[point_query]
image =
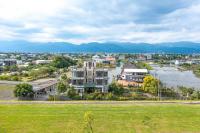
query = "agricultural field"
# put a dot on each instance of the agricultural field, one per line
(6, 92)
(107, 118)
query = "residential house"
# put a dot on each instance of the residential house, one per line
(132, 76)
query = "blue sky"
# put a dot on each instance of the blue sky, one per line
(82, 21)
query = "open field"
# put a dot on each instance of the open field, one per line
(6, 92)
(108, 118)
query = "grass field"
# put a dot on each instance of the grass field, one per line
(108, 118)
(6, 92)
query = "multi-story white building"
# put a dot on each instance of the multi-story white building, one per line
(132, 76)
(89, 78)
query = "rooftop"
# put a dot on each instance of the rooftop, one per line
(136, 70)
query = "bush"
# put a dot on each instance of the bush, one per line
(24, 91)
(100, 96)
(195, 95)
(71, 93)
(9, 78)
(15, 78)
(110, 96)
(116, 89)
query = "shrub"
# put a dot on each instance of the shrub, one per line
(116, 89)
(88, 122)
(71, 93)
(24, 90)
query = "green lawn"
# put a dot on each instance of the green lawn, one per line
(6, 92)
(115, 118)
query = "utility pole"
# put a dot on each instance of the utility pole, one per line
(158, 86)
(158, 89)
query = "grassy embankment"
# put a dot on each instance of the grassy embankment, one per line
(108, 118)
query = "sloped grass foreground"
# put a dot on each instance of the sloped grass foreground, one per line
(108, 118)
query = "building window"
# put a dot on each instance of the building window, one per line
(99, 82)
(99, 74)
(105, 74)
(106, 82)
(79, 74)
(73, 82)
(80, 82)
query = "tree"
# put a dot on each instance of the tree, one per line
(150, 85)
(62, 62)
(195, 95)
(186, 91)
(41, 72)
(13, 68)
(65, 78)
(62, 87)
(24, 90)
(116, 89)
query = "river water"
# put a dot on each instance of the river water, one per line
(172, 77)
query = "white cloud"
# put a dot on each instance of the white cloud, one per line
(80, 21)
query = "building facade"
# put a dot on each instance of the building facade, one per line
(89, 78)
(132, 76)
(8, 62)
(44, 88)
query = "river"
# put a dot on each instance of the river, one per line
(172, 77)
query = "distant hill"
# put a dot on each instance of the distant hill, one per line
(109, 47)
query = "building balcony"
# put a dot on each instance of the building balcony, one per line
(90, 85)
(78, 86)
(78, 78)
(101, 77)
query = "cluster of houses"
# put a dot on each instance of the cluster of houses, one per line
(190, 61)
(94, 75)
(9, 59)
(89, 78)
(109, 60)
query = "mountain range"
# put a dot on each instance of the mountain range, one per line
(93, 47)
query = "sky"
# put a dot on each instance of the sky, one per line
(83, 21)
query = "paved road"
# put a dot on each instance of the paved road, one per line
(101, 102)
(10, 82)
